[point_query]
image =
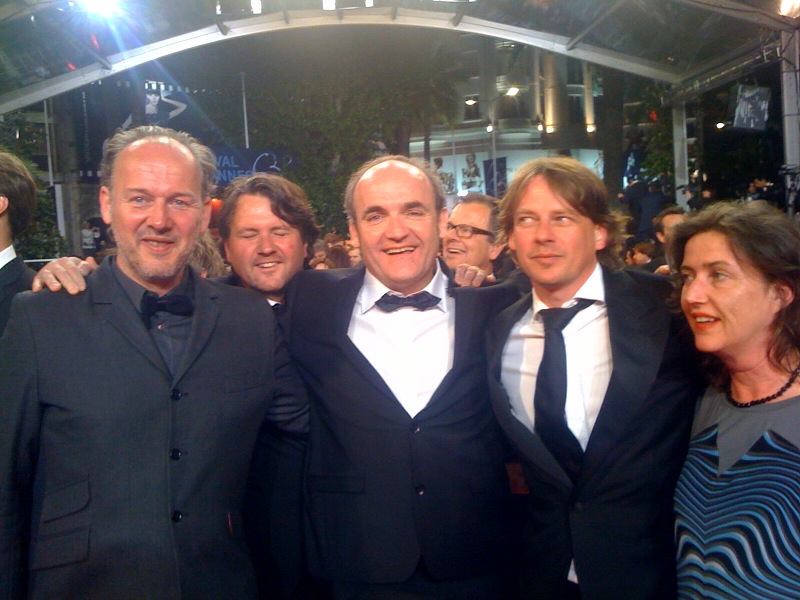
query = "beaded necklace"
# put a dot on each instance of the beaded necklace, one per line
(766, 399)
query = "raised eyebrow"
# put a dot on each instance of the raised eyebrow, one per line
(183, 196)
(414, 204)
(136, 192)
(375, 208)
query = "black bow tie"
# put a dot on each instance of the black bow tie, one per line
(177, 304)
(421, 301)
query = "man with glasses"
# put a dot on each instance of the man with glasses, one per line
(470, 238)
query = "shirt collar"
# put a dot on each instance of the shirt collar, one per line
(7, 255)
(373, 290)
(592, 289)
(134, 291)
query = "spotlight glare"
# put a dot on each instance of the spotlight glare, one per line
(591, 128)
(790, 8)
(512, 91)
(489, 128)
(720, 125)
(103, 8)
(550, 128)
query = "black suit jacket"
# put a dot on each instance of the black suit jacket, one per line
(15, 277)
(118, 479)
(384, 489)
(617, 521)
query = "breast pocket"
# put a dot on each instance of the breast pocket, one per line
(64, 526)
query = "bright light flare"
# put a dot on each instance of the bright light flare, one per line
(790, 8)
(590, 128)
(103, 8)
(512, 91)
(489, 128)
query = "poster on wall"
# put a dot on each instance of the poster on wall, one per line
(103, 107)
(471, 180)
(500, 180)
(447, 177)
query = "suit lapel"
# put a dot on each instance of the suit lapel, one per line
(639, 328)
(110, 300)
(345, 292)
(465, 320)
(529, 444)
(204, 321)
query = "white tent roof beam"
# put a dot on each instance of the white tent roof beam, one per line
(317, 18)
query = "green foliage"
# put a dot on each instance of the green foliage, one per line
(659, 160)
(327, 122)
(42, 239)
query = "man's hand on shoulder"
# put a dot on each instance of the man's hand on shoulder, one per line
(68, 273)
(471, 276)
(663, 270)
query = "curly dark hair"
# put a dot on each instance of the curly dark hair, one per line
(766, 239)
(287, 200)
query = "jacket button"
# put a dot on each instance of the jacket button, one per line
(420, 490)
(416, 429)
(177, 516)
(175, 395)
(175, 454)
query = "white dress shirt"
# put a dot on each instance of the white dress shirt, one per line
(7, 255)
(587, 343)
(411, 350)
(589, 363)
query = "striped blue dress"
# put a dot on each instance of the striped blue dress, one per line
(737, 503)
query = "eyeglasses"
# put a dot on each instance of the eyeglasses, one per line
(467, 231)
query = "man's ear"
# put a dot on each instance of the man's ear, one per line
(600, 237)
(442, 223)
(495, 251)
(105, 205)
(206, 215)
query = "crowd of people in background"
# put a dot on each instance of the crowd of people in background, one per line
(501, 402)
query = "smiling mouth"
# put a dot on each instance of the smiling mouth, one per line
(704, 321)
(455, 251)
(395, 251)
(267, 265)
(158, 244)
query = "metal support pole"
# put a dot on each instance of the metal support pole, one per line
(244, 113)
(679, 150)
(791, 105)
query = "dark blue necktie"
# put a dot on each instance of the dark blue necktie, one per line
(176, 304)
(421, 301)
(550, 397)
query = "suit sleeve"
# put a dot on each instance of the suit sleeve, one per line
(289, 407)
(20, 417)
(273, 505)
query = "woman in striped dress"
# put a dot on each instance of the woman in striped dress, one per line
(737, 501)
